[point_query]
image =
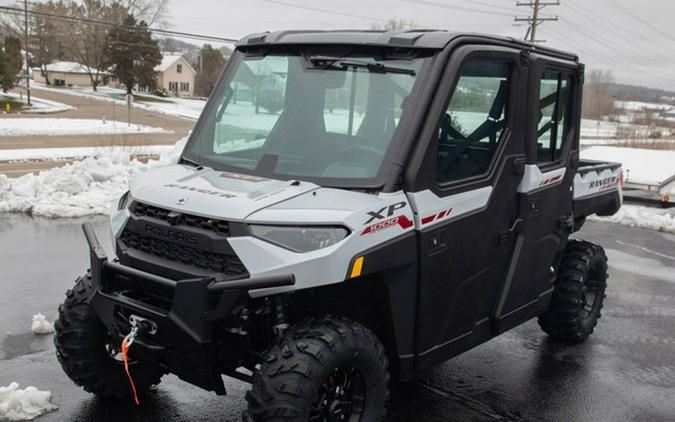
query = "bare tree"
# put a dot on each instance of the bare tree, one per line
(89, 39)
(152, 12)
(47, 36)
(598, 94)
(395, 23)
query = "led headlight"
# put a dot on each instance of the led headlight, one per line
(300, 239)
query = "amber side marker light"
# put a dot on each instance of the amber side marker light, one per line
(357, 267)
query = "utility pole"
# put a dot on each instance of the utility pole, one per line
(25, 34)
(535, 19)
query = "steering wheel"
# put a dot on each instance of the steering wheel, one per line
(362, 154)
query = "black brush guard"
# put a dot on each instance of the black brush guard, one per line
(183, 343)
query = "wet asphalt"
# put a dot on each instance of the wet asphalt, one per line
(625, 372)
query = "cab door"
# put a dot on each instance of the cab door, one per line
(465, 199)
(545, 191)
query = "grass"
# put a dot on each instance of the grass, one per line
(14, 105)
(149, 99)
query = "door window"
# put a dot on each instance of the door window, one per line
(555, 100)
(474, 121)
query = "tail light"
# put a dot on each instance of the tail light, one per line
(622, 178)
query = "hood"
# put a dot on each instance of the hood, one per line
(210, 193)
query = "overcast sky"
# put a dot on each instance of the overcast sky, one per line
(633, 38)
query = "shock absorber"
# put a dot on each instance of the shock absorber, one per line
(279, 316)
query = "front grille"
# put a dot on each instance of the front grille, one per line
(177, 219)
(230, 265)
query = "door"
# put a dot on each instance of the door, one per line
(545, 192)
(467, 212)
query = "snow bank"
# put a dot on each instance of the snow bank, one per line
(40, 325)
(82, 188)
(644, 217)
(64, 126)
(24, 405)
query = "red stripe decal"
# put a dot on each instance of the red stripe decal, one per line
(428, 219)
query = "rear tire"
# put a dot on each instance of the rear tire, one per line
(81, 340)
(328, 369)
(578, 294)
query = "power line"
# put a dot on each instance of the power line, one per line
(637, 17)
(14, 10)
(454, 7)
(535, 19)
(317, 9)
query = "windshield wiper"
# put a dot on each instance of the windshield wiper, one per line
(339, 63)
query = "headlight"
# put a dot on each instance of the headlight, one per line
(124, 201)
(300, 239)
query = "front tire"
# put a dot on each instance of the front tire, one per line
(328, 369)
(84, 349)
(578, 294)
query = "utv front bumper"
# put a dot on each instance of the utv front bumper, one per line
(184, 313)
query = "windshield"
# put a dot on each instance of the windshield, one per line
(325, 118)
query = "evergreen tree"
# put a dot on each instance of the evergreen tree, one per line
(211, 63)
(132, 54)
(10, 63)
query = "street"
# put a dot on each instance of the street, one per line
(88, 108)
(625, 372)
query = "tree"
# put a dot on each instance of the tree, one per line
(88, 41)
(132, 54)
(211, 63)
(47, 36)
(10, 63)
(598, 94)
(395, 24)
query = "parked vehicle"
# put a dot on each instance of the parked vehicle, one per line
(317, 252)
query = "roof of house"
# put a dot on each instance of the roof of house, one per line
(71, 67)
(168, 60)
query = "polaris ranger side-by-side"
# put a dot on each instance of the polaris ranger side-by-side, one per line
(350, 206)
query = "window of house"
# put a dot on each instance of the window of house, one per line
(474, 121)
(555, 101)
(185, 86)
(179, 68)
(173, 86)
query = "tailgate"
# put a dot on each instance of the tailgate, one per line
(597, 188)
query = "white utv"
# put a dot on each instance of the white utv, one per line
(350, 206)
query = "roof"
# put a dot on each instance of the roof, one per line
(71, 67)
(416, 38)
(168, 60)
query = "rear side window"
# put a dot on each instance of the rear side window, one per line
(555, 101)
(474, 121)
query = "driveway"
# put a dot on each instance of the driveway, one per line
(625, 372)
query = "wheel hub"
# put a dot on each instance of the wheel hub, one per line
(340, 398)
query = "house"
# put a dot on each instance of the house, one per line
(68, 74)
(175, 75)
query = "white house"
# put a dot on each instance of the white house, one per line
(68, 74)
(175, 75)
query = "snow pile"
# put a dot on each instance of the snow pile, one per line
(26, 404)
(64, 126)
(40, 325)
(82, 188)
(644, 217)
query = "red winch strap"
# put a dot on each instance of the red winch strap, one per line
(125, 348)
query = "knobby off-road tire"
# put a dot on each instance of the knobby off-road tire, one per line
(578, 294)
(322, 369)
(81, 340)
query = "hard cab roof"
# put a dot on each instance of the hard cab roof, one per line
(416, 38)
